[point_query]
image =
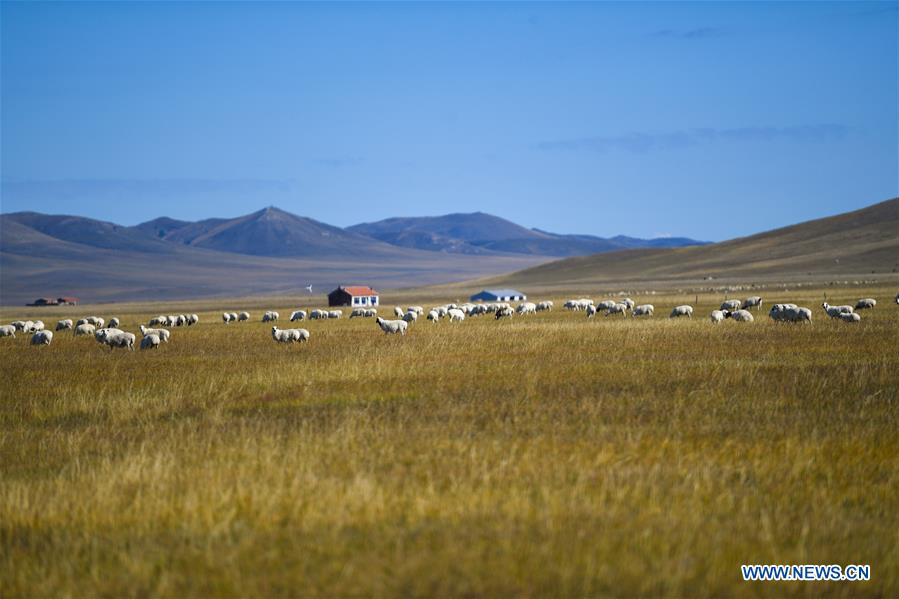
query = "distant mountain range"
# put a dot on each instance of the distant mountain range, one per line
(479, 233)
(268, 251)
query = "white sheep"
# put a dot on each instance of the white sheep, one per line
(417, 309)
(270, 316)
(335, 313)
(63, 325)
(504, 312)
(8, 330)
(591, 311)
(867, 303)
(398, 312)
(456, 315)
(618, 309)
(162, 320)
(545, 306)
(527, 308)
(318, 315)
(84, 329)
(150, 341)
(605, 305)
(434, 316)
(37, 325)
(163, 334)
(242, 317)
(113, 338)
(370, 313)
(731, 305)
(18, 325)
(835, 311)
(226, 318)
(290, 335)
(42, 338)
(28, 326)
(850, 317)
(752, 302)
(193, 319)
(643, 310)
(629, 303)
(392, 327)
(114, 322)
(739, 315)
(679, 311)
(357, 312)
(717, 316)
(410, 316)
(298, 315)
(789, 313)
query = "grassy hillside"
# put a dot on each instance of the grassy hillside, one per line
(865, 241)
(547, 455)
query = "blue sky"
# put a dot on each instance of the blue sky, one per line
(710, 120)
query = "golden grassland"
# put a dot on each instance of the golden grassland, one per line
(546, 455)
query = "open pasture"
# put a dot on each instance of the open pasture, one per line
(542, 455)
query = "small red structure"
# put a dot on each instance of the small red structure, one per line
(69, 301)
(353, 295)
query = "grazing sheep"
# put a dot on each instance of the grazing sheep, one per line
(591, 311)
(8, 330)
(37, 325)
(226, 318)
(629, 303)
(456, 315)
(42, 338)
(731, 305)
(605, 305)
(63, 325)
(298, 315)
(113, 338)
(417, 309)
(290, 335)
(866, 304)
(643, 310)
(270, 316)
(398, 312)
(410, 316)
(360, 312)
(318, 315)
(114, 322)
(739, 315)
(28, 327)
(18, 325)
(504, 312)
(150, 341)
(618, 309)
(850, 317)
(544, 306)
(192, 319)
(84, 329)
(242, 317)
(682, 311)
(717, 316)
(789, 313)
(434, 316)
(161, 320)
(335, 313)
(392, 327)
(526, 308)
(835, 311)
(752, 302)
(163, 334)
(370, 313)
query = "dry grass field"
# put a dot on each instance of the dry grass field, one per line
(546, 455)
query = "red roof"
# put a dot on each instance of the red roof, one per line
(359, 290)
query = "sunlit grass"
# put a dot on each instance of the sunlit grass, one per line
(545, 455)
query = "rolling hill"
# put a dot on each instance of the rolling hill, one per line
(480, 233)
(859, 242)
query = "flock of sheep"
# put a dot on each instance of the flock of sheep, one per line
(153, 334)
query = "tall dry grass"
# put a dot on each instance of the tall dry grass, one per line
(545, 455)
